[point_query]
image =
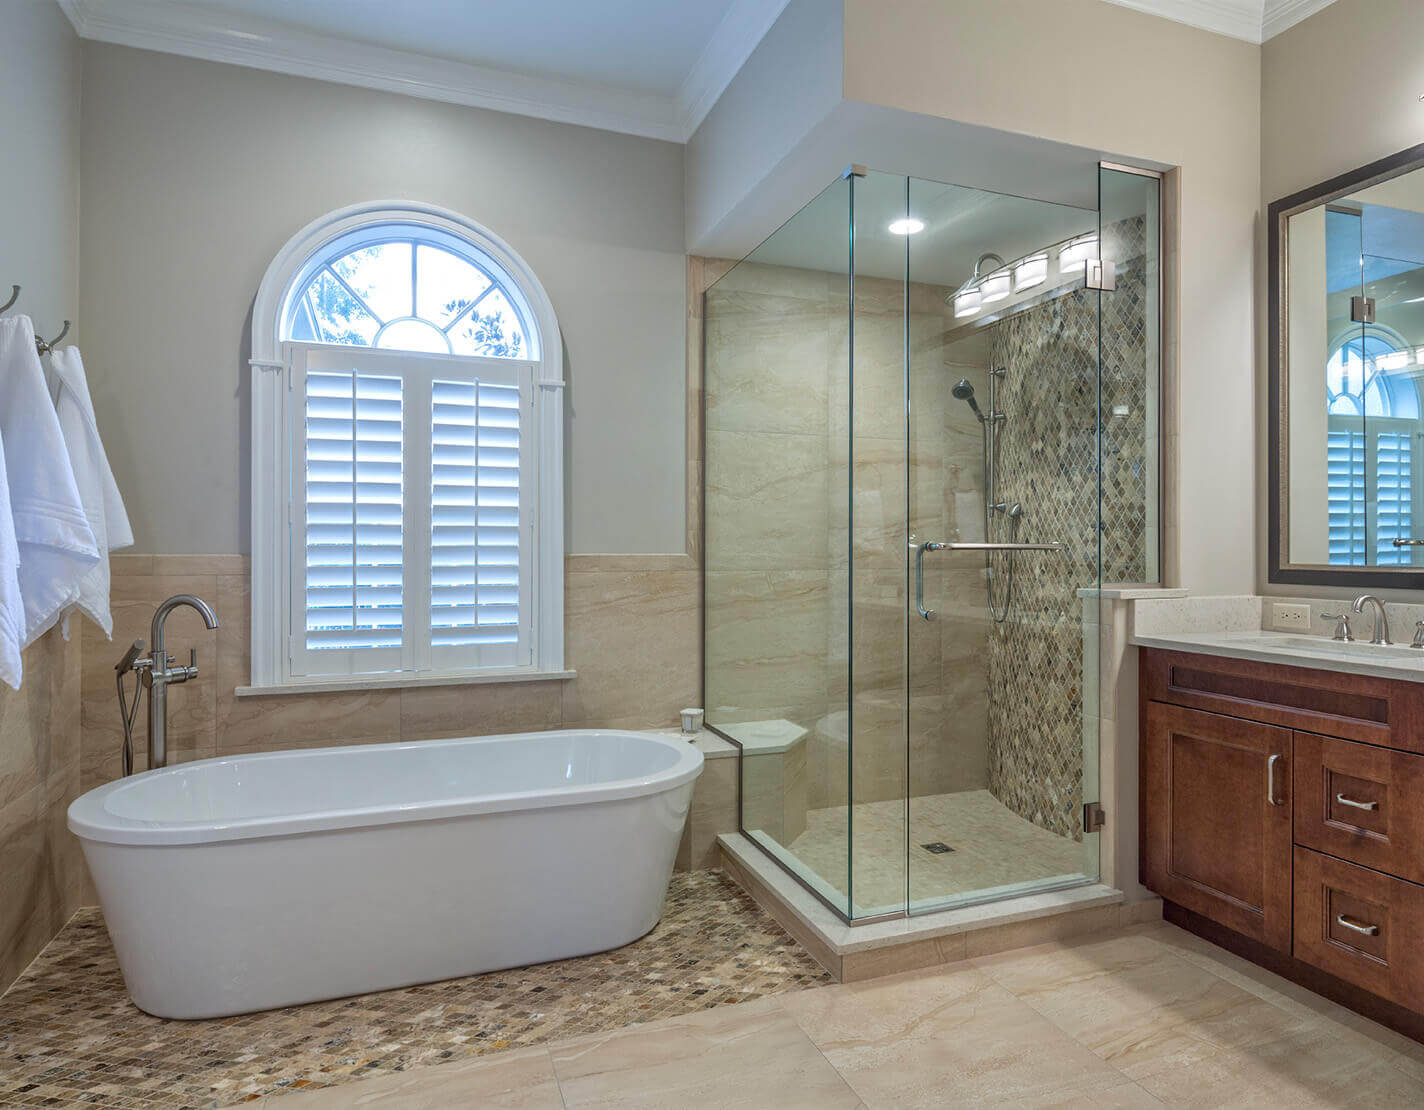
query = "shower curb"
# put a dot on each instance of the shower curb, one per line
(855, 952)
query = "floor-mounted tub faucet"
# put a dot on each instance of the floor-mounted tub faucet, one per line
(157, 673)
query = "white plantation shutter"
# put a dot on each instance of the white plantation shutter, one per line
(479, 555)
(412, 511)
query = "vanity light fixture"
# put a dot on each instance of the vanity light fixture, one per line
(1072, 254)
(967, 303)
(1030, 271)
(907, 226)
(995, 287)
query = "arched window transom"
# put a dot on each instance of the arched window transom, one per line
(404, 287)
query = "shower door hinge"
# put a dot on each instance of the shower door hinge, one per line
(1094, 817)
(1100, 273)
(1362, 310)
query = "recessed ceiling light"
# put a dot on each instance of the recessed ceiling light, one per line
(908, 226)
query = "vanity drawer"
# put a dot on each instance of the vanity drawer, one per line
(1373, 710)
(1360, 925)
(1361, 803)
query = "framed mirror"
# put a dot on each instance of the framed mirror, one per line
(1347, 378)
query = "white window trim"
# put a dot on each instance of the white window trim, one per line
(271, 412)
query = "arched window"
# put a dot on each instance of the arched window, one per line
(1372, 398)
(407, 460)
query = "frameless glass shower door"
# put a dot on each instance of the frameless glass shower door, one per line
(930, 433)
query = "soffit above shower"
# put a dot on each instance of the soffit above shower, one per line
(643, 67)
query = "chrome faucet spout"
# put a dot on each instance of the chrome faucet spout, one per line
(158, 675)
(1381, 629)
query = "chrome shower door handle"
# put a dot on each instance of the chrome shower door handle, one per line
(1271, 763)
(1002, 546)
(920, 549)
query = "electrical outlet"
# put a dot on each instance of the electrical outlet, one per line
(1290, 618)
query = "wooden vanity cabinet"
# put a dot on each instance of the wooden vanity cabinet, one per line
(1217, 820)
(1282, 814)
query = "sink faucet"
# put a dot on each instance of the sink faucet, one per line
(1381, 626)
(158, 675)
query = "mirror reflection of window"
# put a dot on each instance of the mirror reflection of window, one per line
(1372, 398)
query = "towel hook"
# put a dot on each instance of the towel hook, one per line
(14, 296)
(46, 347)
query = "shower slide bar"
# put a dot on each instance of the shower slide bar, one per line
(935, 545)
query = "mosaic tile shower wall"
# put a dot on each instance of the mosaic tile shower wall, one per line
(1050, 465)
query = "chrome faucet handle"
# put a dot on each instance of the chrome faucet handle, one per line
(1342, 628)
(1418, 641)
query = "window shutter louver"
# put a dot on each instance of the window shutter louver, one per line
(1394, 497)
(353, 527)
(1345, 491)
(475, 556)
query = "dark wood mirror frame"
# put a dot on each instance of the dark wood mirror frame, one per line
(1278, 355)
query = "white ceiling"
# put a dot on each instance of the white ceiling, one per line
(646, 45)
(644, 67)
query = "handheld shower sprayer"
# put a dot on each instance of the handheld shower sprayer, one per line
(964, 391)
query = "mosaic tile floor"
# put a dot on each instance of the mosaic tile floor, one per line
(992, 847)
(70, 1037)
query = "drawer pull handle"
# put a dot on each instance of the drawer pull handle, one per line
(1271, 779)
(1357, 926)
(1353, 804)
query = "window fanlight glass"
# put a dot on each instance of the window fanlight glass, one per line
(967, 303)
(1030, 271)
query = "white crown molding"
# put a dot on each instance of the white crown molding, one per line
(259, 44)
(742, 28)
(1281, 15)
(1241, 19)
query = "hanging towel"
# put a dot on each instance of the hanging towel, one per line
(12, 609)
(98, 492)
(55, 542)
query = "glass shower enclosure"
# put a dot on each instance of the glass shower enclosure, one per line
(931, 433)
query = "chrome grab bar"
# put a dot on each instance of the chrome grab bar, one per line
(1408, 543)
(935, 545)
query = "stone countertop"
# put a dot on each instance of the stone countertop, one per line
(1395, 661)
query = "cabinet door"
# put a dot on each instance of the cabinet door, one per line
(1216, 818)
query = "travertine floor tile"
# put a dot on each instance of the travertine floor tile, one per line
(747, 1056)
(519, 1080)
(946, 1038)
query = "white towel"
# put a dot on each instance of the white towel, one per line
(52, 534)
(969, 515)
(12, 608)
(98, 492)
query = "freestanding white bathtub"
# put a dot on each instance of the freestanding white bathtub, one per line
(257, 881)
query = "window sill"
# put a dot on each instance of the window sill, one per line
(393, 682)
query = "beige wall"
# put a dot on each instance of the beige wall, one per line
(1104, 77)
(1338, 90)
(41, 871)
(39, 185)
(197, 173)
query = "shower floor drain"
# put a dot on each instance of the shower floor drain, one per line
(937, 847)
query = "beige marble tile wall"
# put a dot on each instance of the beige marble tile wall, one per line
(631, 632)
(41, 869)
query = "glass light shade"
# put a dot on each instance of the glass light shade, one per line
(1030, 271)
(967, 303)
(1072, 254)
(908, 226)
(995, 287)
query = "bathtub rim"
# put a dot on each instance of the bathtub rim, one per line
(89, 818)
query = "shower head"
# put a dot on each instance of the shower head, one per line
(964, 391)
